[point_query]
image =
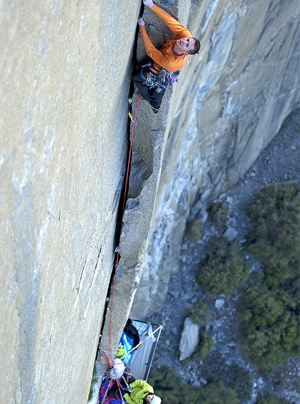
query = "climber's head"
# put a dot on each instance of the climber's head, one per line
(151, 398)
(197, 46)
(187, 46)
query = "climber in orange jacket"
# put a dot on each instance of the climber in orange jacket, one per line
(152, 80)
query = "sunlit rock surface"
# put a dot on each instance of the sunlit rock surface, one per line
(63, 102)
(228, 105)
(65, 77)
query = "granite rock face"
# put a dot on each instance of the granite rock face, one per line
(65, 80)
(229, 103)
(63, 149)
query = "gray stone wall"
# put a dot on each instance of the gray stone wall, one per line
(65, 75)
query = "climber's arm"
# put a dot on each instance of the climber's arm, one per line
(156, 55)
(179, 30)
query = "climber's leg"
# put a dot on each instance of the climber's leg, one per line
(139, 80)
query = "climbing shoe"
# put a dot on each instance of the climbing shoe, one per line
(155, 110)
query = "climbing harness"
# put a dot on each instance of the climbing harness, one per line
(160, 81)
(116, 383)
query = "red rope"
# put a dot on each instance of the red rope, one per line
(107, 360)
(122, 214)
(129, 156)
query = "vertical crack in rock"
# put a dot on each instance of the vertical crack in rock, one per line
(147, 152)
(81, 275)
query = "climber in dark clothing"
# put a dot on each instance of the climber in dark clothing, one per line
(153, 80)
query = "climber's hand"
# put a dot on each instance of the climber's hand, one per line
(141, 21)
(148, 3)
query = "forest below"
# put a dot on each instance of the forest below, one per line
(254, 270)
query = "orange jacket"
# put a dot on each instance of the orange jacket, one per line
(166, 57)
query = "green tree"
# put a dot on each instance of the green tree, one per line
(205, 345)
(200, 313)
(170, 387)
(218, 212)
(223, 268)
(272, 400)
(193, 230)
(232, 376)
(173, 391)
(218, 393)
(274, 235)
(269, 326)
(269, 309)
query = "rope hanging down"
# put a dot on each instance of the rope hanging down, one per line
(108, 357)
